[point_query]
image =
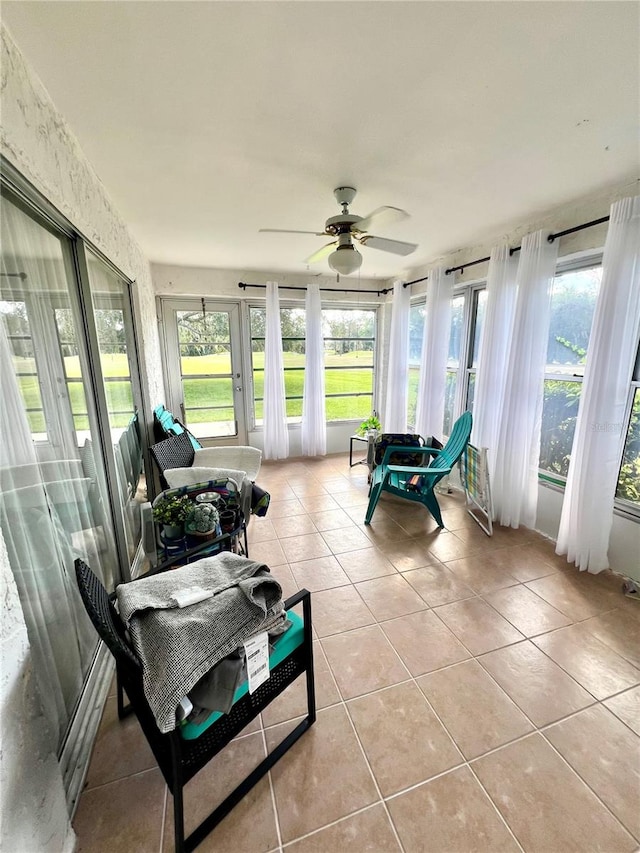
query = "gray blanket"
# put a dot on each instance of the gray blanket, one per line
(177, 646)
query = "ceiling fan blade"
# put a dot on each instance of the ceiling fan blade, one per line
(321, 253)
(380, 216)
(286, 231)
(398, 247)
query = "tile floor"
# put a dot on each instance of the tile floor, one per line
(475, 694)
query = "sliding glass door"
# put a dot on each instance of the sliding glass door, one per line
(113, 320)
(54, 502)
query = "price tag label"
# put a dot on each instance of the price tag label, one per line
(257, 652)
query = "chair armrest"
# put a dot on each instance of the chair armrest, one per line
(296, 598)
(403, 469)
(304, 596)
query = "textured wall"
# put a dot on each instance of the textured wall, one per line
(33, 811)
(36, 140)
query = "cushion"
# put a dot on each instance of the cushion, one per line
(177, 477)
(403, 440)
(170, 426)
(232, 456)
(282, 648)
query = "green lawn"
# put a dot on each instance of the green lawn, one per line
(119, 393)
(208, 399)
(218, 392)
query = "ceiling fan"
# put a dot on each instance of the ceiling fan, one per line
(344, 258)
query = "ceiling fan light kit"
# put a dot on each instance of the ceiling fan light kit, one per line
(342, 255)
(345, 260)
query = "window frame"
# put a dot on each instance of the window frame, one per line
(325, 306)
(374, 340)
(575, 264)
(558, 482)
(624, 507)
(415, 302)
(469, 291)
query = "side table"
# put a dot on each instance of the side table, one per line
(353, 438)
(369, 441)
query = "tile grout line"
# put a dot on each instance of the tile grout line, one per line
(473, 657)
(164, 819)
(496, 809)
(364, 755)
(343, 702)
(274, 805)
(120, 779)
(560, 666)
(587, 785)
(334, 823)
(465, 761)
(536, 729)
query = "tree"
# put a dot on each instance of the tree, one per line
(203, 333)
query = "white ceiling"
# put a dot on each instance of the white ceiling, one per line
(209, 120)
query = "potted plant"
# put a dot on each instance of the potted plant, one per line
(370, 425)
(171, 512)
(203, 521)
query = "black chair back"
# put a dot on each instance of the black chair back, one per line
(103, 616)
(174, 452)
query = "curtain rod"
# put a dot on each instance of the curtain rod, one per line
(21, 275)
(550, 238)
(382, 291)
(415, 281)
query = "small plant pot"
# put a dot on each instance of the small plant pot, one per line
(172, 531)
(228, 520)
(205, 536)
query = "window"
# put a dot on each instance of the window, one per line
(478, 311)
(573, 300)
(467, 318)
(349, 346)
(416, 332)
(71, 367)
(628, 489)
(456, 347)
(20, 339)
(292, 326)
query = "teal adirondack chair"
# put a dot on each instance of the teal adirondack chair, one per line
(417, 483)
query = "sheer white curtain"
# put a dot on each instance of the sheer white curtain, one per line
(515, 483)
(276, 434)
(587, 509)
(314, 423)
(395, 412)
(435, 347)
(491, 374)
